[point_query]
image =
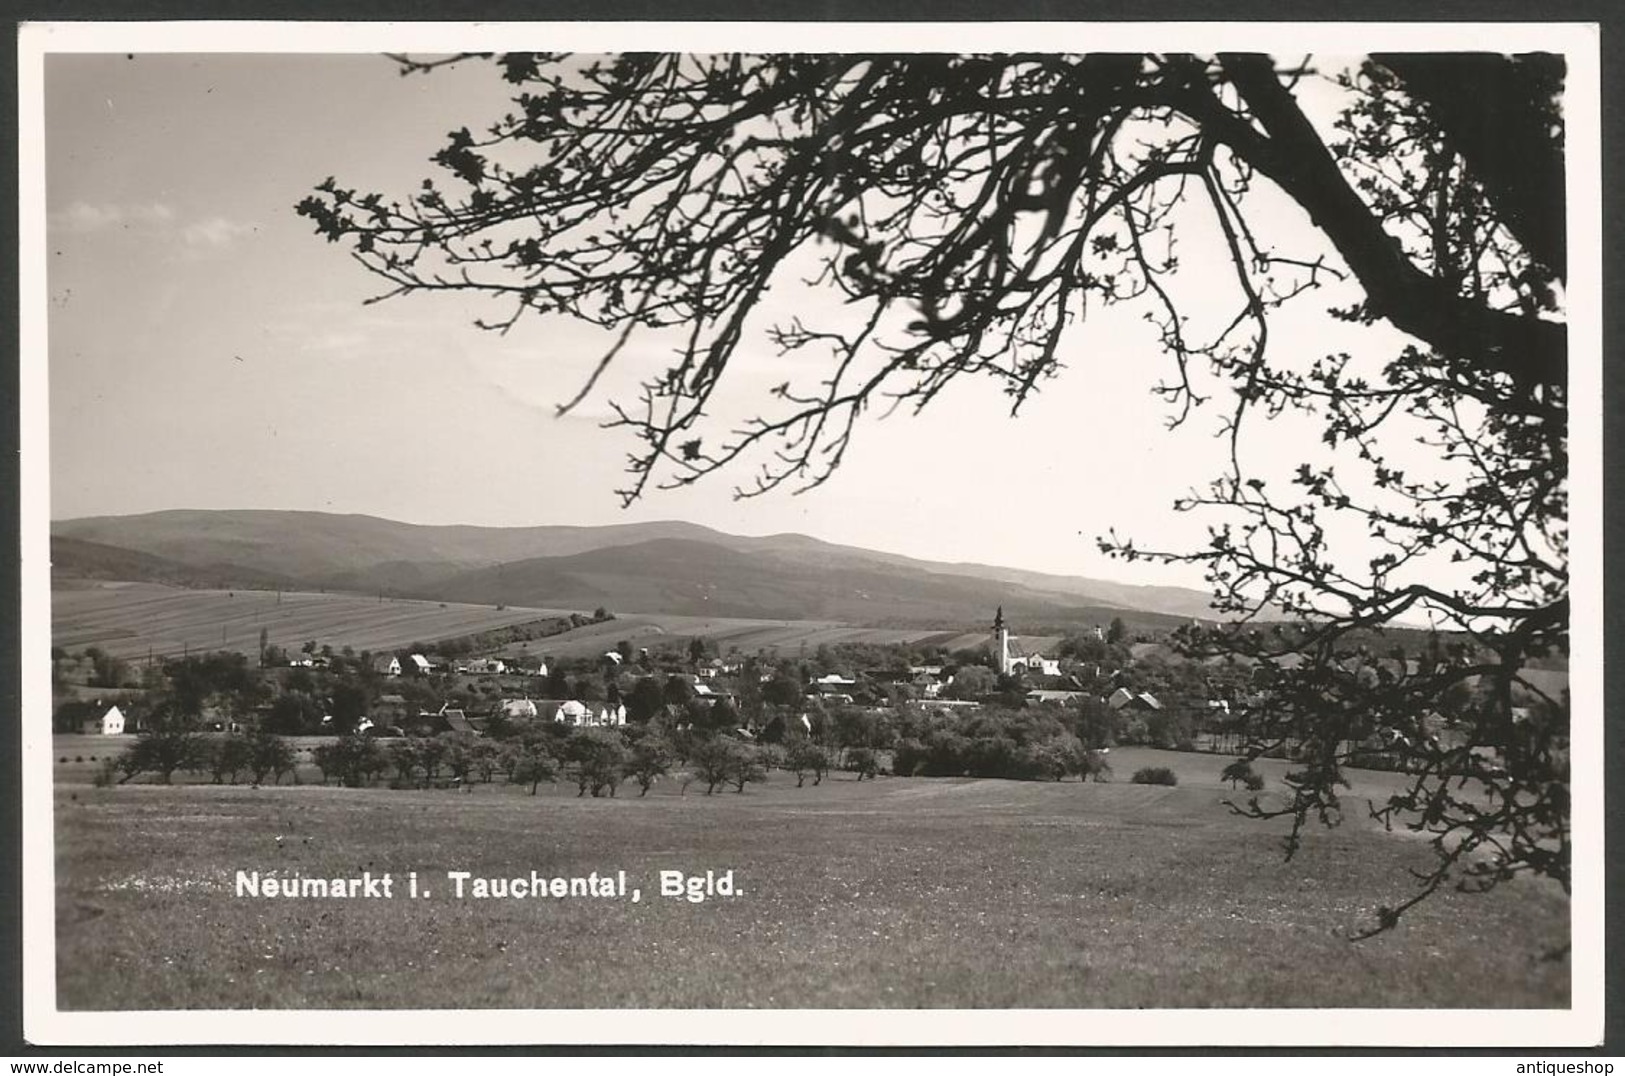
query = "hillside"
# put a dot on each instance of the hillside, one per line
(670, 567)
(321, 546)
(697, 578)
(74, 558)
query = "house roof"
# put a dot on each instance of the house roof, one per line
(1043, 695)
(456, 720)
(1124, 697)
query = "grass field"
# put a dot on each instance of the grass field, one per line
(896, 892)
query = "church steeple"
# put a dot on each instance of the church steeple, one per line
(1001, 640)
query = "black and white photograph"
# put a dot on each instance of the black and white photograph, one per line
(893, 534)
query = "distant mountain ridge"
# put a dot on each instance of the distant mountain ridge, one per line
(668, 566)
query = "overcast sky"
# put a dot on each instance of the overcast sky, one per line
(207, 350)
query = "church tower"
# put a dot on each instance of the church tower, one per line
(1001, 640)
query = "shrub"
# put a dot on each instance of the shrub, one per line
(1154, 775)
(1238, 771)
(1254, 783)
(862, 761)
(909, 758)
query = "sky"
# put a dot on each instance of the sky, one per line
(208, 350)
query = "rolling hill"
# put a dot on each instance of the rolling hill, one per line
(78, 559)
(667, 567)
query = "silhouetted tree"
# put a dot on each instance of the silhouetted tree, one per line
(971, 209)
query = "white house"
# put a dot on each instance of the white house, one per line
(1035, 663)
(571, 712)
(518, 708)
(390, 666)
(579, 714)
(109, 724)
(421, 665)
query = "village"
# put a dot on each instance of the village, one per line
(424, 691)
(1054, 704)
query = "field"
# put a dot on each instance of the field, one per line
(895, 892)
(787, 637)
(130, 619)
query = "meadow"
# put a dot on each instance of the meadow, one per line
(894, 892)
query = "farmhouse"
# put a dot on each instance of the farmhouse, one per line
(1035, 664)
(110, 723)
(421, 665)
(387, 666)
